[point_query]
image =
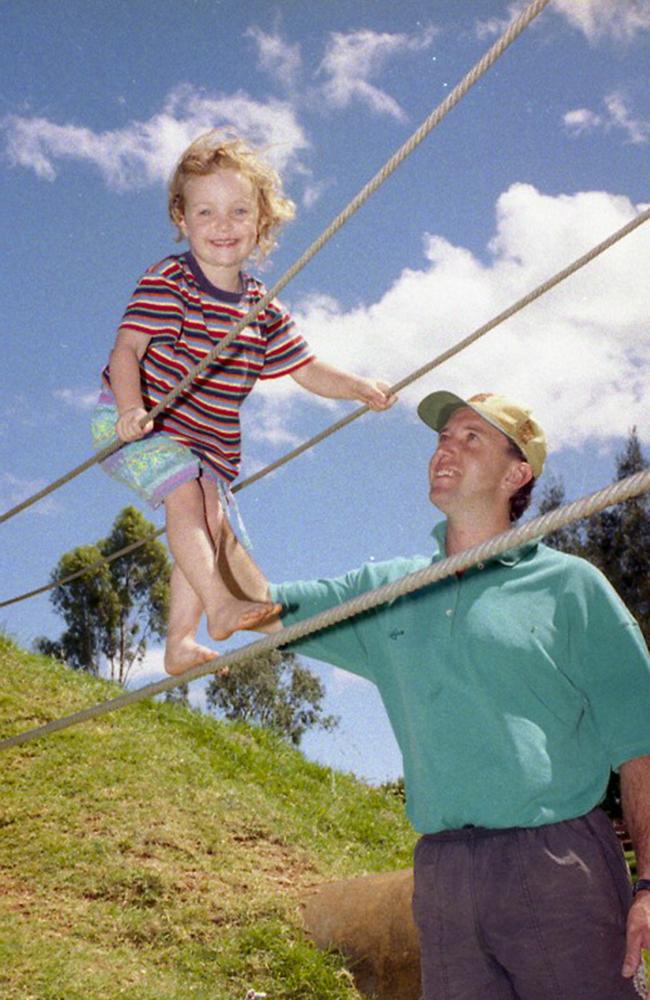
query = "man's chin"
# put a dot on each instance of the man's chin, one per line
(440, 498)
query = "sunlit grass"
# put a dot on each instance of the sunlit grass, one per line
(156, 854)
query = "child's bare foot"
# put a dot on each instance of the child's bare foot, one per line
(237, 616)
(183, 655)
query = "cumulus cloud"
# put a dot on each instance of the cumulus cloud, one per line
(276, 56)
(580, 355)
(144, 152)
(617, 115)
(351, 60)
(621, 20)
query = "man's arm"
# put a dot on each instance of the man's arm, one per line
(635, 794)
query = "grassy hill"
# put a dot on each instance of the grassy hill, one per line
(157, 854)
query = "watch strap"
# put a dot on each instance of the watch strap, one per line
(640, 885)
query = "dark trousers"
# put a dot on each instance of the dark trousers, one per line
(523, 914)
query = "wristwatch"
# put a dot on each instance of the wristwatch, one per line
(640, 885)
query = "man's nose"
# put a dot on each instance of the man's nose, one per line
(446, 446)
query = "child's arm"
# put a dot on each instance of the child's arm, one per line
(325, 380)
(125, 383)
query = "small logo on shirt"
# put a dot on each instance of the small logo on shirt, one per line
(396, 633)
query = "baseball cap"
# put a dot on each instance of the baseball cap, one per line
(511, 418)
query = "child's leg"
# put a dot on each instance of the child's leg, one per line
(194, 524)
(244, 578)
(182, 650)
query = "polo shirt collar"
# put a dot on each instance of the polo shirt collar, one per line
(509, 558)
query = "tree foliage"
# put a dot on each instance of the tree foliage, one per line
(113, 609)
(273, 690)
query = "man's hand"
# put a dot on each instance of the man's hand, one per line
(638, 934)
(128, 426)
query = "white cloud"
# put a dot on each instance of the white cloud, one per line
(144, 152)
(637, 129)
(352, 60)
(621, 20)
(581, 120)
(617, 116)
(580, 355)
(270, 425)
(14, 489)
(280, 59)
(78, 399)
(314, 192)
(497, 25)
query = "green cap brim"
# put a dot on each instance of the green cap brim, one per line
(436, 408)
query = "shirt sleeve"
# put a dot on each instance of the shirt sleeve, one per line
(156, 308)
(343, 644)
(286, 351)
(614, 665)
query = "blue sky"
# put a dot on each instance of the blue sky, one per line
(545, 156)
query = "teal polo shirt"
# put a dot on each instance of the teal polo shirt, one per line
(513, 689)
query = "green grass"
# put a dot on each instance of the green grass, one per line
(157, 854)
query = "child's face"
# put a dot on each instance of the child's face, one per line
(220, 223)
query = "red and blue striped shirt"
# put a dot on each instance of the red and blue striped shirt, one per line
(185, 316)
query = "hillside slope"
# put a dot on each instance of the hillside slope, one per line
(157, 854)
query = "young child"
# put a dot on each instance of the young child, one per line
(228, 204)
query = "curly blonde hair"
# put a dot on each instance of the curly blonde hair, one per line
(214, 150)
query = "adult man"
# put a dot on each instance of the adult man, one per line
(513, 689)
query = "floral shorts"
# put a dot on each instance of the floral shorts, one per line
(153, 466)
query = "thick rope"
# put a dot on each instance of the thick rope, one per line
(624, 489)
(436, 116)
(360, 411)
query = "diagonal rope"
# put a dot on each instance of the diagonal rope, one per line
(624, 489)
(407, 380)
(456, 348)
(511, 33)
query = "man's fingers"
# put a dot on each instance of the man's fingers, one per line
(632, 955)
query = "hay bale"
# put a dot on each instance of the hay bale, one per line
(369, 920)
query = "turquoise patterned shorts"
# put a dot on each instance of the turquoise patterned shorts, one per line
(153, 466)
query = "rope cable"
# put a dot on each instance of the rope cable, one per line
(624, 489)
(488, 59)
(456, 348)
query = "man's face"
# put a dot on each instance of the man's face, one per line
(471, 467)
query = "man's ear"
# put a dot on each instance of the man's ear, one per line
(519, 474)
